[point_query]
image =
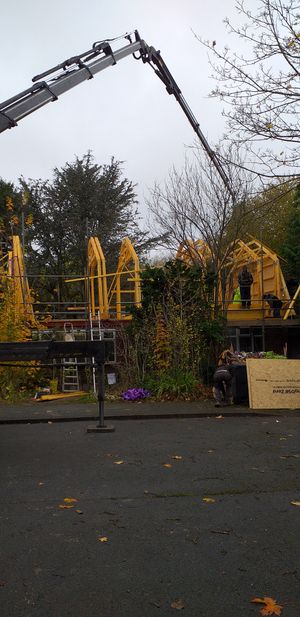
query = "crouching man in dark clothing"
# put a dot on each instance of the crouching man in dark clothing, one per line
(274, 303)
(222, 390)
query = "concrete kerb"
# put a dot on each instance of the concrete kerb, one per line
(71, 411)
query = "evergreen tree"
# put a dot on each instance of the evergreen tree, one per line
(291, 248)
(173, 336)
(265, 216)
(83, 199)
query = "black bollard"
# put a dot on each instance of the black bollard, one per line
(101, 427)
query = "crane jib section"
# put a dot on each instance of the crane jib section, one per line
(78, 69)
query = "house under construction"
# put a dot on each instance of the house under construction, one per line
(259, 328)
(108, 297)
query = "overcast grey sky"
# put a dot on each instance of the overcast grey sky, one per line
(124, 111)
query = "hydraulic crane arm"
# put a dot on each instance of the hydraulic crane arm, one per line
(77, 69)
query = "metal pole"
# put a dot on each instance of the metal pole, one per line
(93, 359)
(262, 290)
(100, 375)
(101, 427)
(23, 231)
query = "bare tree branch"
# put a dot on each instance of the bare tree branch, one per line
(262, 87)
(193, 205)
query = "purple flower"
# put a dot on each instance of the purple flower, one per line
(135, 394)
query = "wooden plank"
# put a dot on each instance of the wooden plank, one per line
(273, 384)
(58, 396)
(290, 307)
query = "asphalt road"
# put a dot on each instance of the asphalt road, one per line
(165, 544)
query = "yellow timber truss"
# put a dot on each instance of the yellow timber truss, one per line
(261, 261)
(194, 252)
(125, 287)
(13, 267)
(264, 264)
(110, 295)
(97, 279)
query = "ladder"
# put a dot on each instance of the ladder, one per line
(70, 378)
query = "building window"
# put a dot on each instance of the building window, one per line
(246, 339)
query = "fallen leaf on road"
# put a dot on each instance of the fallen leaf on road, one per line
(178, 604)
(290, 456)
(295, 503)
(70, 500)
(210, 451)
(63, 506)
(177, 457)
(208, 500)
(168, 465)
(219, 417)
(225, 532)
(79, 511)
(155, 604)
(270, 608)
(118, 462)
(102, 539)
(2, 583)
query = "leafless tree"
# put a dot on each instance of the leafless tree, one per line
(194, 205)
(261, 85)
